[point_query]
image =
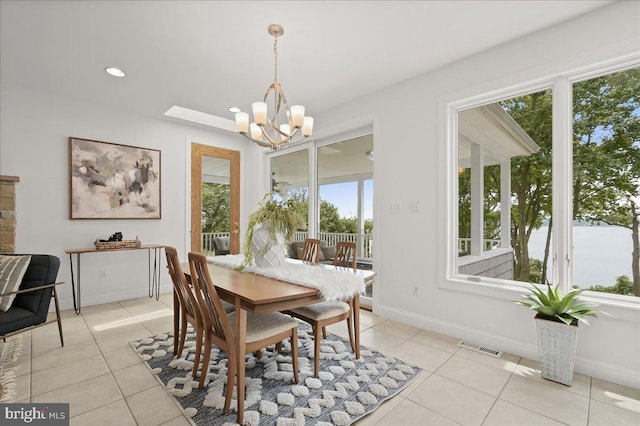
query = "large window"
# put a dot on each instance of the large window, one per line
(606, 183)
(565, 205)
(504, 187)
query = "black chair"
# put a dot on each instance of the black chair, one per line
(221, 246)
(31, 306)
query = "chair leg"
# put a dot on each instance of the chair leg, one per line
(196, 360)
(350, 328)
(55, 300)
(231, 375)
(205, 361)
(183, 335)
(279, 347)
(316, 350)
(324, 332)
(294, 354)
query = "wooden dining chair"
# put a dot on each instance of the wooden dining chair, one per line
(189, 308)
(345, 255)
(322, 314)
(262, 330)
(311, 251)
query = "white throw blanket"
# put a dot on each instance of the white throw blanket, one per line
(333, 284)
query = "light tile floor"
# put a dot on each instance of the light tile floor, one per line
(106, 383)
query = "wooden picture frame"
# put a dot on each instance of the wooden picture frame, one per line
(113, 181)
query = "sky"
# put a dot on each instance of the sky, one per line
(345, 197)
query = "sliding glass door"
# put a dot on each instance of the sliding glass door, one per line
(332, 182)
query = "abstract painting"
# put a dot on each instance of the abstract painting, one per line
(113, 181)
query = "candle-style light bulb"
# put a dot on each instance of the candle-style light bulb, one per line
(284, 128)
(242, 122)
(259, 113)
(307, 126)
(297, 115)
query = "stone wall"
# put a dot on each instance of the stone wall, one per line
(8, 213)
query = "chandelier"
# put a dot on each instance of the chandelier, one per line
(285, 123)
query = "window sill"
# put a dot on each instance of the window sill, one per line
(623, 308)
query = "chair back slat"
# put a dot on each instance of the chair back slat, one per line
(213, 314)
(183, 289)
(345, 255)
(311, 250)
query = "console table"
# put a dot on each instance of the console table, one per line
(154, 275)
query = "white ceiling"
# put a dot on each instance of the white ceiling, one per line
(209, 55)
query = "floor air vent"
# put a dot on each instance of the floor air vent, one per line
(481, 349)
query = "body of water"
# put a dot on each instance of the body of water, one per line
(600, 253)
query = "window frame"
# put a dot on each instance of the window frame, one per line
(561, 85)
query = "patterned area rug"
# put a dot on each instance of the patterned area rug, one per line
(9, 353)
(346, 390)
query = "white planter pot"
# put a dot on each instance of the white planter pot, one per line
(274, 257)
(557, 350)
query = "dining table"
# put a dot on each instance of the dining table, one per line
(259, 294)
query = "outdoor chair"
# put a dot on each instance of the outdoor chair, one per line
(30, 307)
(221, 246)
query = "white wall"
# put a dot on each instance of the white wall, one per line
(409, 143)
(34, 146)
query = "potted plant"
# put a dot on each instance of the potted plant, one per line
(557, 321)
(270, 228)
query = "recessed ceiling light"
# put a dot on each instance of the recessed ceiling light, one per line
(234, 109)
(116, 72)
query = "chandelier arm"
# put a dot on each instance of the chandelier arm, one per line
(259, 142)
(269, 126)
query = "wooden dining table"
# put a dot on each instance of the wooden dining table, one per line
(258, 294)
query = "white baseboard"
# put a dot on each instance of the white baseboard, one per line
(608, 372)
(111, 297)
(594, 368)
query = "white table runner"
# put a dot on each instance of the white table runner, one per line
(333, 284)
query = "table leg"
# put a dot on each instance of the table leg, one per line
(154, 277)
(76, 303)
(241, 337)
(356, 323)
(156, 269)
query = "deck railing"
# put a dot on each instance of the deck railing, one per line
(330, 238)
(464, 244)
(207, 240)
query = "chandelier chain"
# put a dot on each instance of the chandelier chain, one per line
(275, 57)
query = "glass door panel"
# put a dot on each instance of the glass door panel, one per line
(345, 192)
(290, 181)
